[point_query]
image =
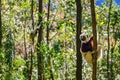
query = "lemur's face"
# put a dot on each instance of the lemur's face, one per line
(84, 38)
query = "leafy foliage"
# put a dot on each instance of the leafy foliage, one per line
(60, 54)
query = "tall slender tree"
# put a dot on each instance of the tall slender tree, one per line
(32, 42)
(25, 48)
(47, 37)
(48, 16)
(94, 56)
(78, 43)
(0, 25)
(0, 33)
(39, 41)
(108, 29)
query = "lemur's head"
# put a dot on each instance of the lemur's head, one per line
(84, 38)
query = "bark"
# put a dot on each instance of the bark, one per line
(25, 48)
(39, 41)
(32, 42)
(108, 51)
(48, 16)
(0, 25)
(48, 31)
(25, 51)
(78, 43)
(94, 56)
(51, 67)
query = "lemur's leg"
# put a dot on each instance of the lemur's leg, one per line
(99, 52)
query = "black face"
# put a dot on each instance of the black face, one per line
(83, 38)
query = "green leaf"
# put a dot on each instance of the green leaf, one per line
(1, 56)
(40, 14)
(19, 62)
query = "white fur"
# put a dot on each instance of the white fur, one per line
(87, 39)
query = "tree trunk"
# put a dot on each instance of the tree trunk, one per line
(39, 41)
(25, 51)
(108, 51)
(32, 42)
(0, 26)
(78, 43)
(48, 16)
(49, 58)
(94, 56)
(51, 67)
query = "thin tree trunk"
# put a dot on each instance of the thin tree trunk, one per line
(0, 33)
(48, 16)
(49, 58)
(32, 42)
(108, 51)
(25, 51)
(51, 67)
(94, 56)
(78, 43)
(0, 26)
(39, 41)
